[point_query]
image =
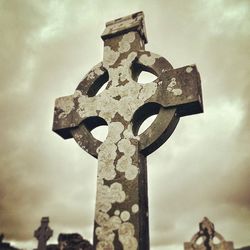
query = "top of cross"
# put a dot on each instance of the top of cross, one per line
(206, 232)
(175, 92)
(134, 22)
(45, 220)
(206, 227)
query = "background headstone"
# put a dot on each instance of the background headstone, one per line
(43, 233)
(207, 234)
(73, 241)
(5, 245)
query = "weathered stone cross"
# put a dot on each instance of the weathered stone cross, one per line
(121, 216)
(207, 234)
(43, 233)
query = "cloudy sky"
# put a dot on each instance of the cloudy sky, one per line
(46, 47)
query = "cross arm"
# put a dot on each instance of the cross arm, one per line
(180, 88)
(65, 116)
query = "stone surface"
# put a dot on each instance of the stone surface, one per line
(207, 234)
(43, 233)
(121, 216)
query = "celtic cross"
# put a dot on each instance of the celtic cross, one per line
(207, 234)
(43, 233)
(121, 215)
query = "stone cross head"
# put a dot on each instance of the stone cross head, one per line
(207, 234)
(121, 216)
(43, 233)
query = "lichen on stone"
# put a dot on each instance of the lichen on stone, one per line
(66, 105)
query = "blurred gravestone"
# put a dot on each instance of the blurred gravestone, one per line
(73, 241)
(121, 215)
(43, 233)
(207, 236)
(5, 245)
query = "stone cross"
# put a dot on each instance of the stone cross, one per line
(121, 215)
(207, 234)
(43, 233)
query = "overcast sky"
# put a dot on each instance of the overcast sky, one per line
(46, 47)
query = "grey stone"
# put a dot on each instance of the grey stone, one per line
(121, 215)
(43, 233)
(207, 234)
